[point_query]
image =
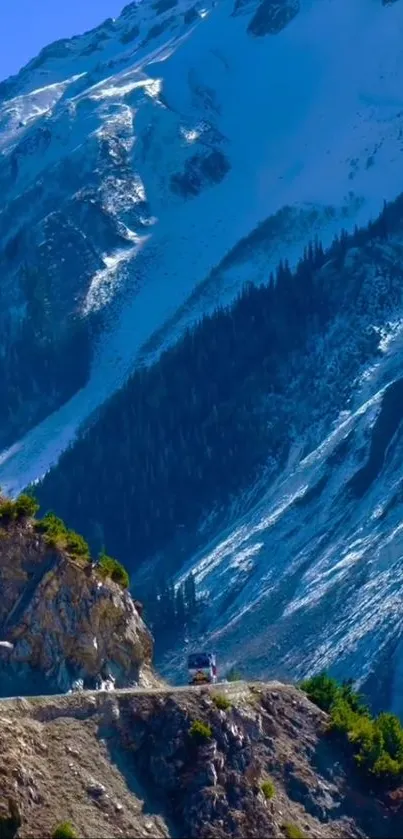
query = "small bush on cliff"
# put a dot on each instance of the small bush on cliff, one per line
(65, 831)
(57, 535)
(325, 691)
(268, 789)
(26, 506)
(76, 545)
(221, 701)
(377, 742)
(322, 690)
(292, 831)
(113, 569)
(54, 528)
(200, 732)
(7, 512)
(23, 507)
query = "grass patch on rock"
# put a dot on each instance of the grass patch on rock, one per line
(221, 701)
(268, 789)
(200, 732)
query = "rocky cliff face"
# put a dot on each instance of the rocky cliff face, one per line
(128, 764)
(64, 621)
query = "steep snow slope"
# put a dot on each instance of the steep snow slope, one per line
(165, 137)
(311, 578)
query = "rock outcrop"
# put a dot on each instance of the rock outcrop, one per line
(237, 760)
(64, 619)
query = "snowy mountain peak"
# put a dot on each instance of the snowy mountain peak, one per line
(97, 50)
(134, 161)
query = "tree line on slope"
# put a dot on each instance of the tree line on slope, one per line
(172, 610)
(190, 432)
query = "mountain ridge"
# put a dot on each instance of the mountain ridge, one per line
(160, 248)
(325, 338)
(143, 186)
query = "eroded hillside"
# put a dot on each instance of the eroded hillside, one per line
(235, 760)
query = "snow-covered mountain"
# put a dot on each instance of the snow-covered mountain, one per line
(299, 565)
(147, 169)
(134, 158)
(311, 577)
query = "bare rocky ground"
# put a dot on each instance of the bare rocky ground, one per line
(126, 764)
(63, 618)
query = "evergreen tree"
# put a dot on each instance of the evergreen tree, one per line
(180, 609)
(190, 596)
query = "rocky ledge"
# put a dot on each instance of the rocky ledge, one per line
(63, 619)
(235, 760)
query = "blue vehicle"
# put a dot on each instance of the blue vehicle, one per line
(202, 668)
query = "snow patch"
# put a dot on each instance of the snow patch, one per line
(312, 116)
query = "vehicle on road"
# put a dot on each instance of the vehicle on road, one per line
(202, 668)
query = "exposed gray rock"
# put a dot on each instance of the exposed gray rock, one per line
(63, 624)
(199, 171)
(271, 16)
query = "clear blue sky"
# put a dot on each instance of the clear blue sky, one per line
(28, 25)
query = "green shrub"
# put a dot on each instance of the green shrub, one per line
(53, 527)
(292, 831)
(65, 831)
(325, 691)
(57, 535)
(76, 544)
(385, 766)
(322, 690)
(200, 732)
(221, 701)
(392, 733)
(7, 511)
(353, 699)
(268, 789)
(113, 569)
(377, 742)
(26, 506)
(342, 716)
